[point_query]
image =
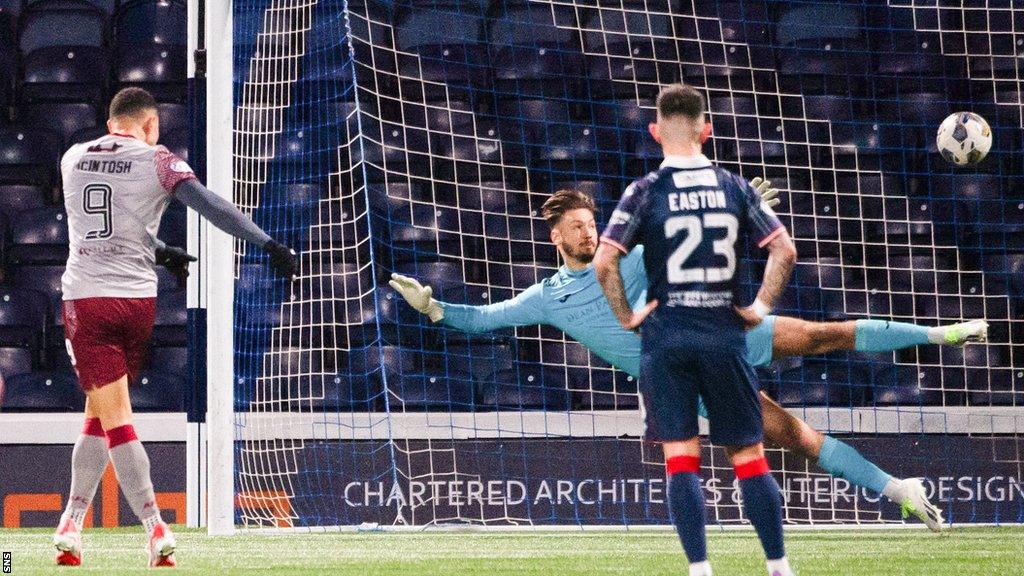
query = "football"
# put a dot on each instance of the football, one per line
(964, 138)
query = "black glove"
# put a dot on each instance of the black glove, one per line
(283, 259)
(176, 261)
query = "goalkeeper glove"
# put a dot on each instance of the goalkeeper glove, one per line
(283, 259)
(764, 189)
(418, 296)
(176, 261)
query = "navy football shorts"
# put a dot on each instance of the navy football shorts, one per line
(673, 379)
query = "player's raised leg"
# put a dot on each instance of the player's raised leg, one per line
(844, 461)
(796, 337)
(88, 462)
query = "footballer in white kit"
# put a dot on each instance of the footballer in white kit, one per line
(116, 188)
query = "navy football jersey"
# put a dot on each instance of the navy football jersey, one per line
(691, 217)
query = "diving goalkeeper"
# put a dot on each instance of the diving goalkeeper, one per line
(574, 289)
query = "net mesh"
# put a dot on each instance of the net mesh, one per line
(422, 137)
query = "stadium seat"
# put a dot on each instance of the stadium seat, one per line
(28, 156)
(536, 49)
(64, 73)
(798, 21)
(39, 236)
(157, 390)
(420, 382)
(824, 66)
(171, 319)
(173, 116)
(42, 391)
(171, 360)
(61, 23)
(448, 40)
(911, 59)
(15, 361)
(630, 46)
(61, 118)
(23, 317)
(107, 6)
(536, 387)
(894, 384)
(154, 22)
(823, 383)
(356, 385)
(15, 198)
(475, 151)
(159, 69)
(45, 279)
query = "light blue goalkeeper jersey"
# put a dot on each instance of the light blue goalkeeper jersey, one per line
(574, 303)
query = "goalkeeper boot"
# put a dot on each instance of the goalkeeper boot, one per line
(68, 542)
(965, 333)
(913, 500)
(161, 546)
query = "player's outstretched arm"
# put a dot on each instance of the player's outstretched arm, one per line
(228, 218)
(609, 275)
(781, 260)
(525, 309)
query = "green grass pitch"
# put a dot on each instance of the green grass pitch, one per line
(995, 551)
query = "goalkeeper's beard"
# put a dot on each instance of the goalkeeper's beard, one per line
(581, 253)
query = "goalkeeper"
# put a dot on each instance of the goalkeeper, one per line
(573, 292)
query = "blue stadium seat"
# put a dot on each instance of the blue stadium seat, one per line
(799, 21)
(420, 382)
(448, 39)
(171, 360)
(823, 383)
(173, 116)
(481, 361)
(176, 141)
(14, 361)
(39, 236)
(23, 317)
(64, 73)
(159, 69)
(107, 6)
(536, 387)
(631, 46)
(88, 134)
(536, 49)
(153, 22)
(62, 23)
(17, 197)
(171, 318)
(908, 59)
(28, 155)
(827, 66)
(1005, 272)
(894, 384)
(42, 391)
(475, 150)
(927, 109)
(357, 383)
(740, 22)
(157, 390)
(61, 118)
(44, 279)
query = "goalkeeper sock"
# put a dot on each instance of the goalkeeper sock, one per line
(687, 503)
(762, 503)
(844, 461)
(886, 336)
(132, 467)
(88, 461)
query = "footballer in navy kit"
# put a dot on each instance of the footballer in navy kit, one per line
(690, 217)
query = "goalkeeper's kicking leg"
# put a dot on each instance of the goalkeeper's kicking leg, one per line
(796, 337)
(844, 461)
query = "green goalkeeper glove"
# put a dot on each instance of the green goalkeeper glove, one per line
(418, 296)
(768, 194)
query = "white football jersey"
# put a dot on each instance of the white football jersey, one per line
(116, 188)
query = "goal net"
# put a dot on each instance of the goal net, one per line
(421, 137)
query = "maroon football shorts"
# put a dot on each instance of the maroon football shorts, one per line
(107, 337)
